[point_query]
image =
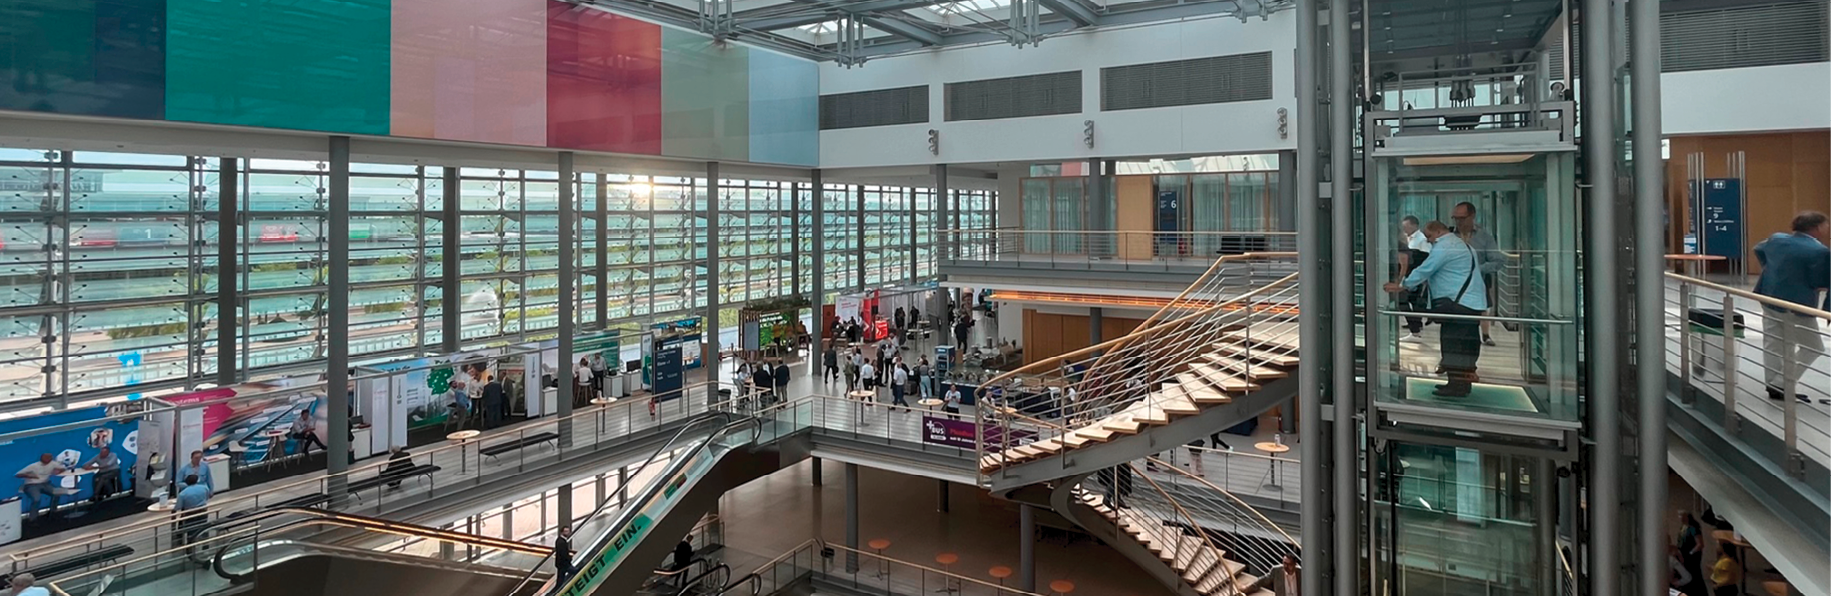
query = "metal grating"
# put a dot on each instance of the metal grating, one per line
(880, 107)
(1015, 97)
(1220, 79)
(1743, 36)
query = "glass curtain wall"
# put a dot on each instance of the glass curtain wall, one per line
(109, 269)
(1217, 202)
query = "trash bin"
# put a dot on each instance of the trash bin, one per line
(1706, 331)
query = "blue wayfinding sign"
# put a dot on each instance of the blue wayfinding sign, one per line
(1721, 221)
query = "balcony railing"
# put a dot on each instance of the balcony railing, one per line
(1093, 249)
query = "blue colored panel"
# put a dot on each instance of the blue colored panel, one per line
(784, 109)
(88, 57)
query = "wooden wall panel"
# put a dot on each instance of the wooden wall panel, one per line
(1047, 335)
(1134, 215)
(1787, 173)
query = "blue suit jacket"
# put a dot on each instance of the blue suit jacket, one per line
(1794, 268)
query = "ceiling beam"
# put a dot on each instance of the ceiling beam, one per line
(903, 29)
(824, 13)
(1074, 10)
(1166, 12)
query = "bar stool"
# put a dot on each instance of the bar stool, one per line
(1061, 586)
(1000, 572)
(947, 561)
(879, 544)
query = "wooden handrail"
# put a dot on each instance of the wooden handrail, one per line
(1741, 293)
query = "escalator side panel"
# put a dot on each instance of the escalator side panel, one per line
(649, 551)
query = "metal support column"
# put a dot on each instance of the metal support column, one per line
(1345, 462)
(1597, 112)
(1649, 291)
(941, 496)
(817, 300)
(602, 247)
(1545, 514)
(814, 471)
(1096, 325)
(337, 323)
(1287, 194)
(451, 264)
(1312, 302)
(914, 246)
(794, 238)
(565, 505)
(228, 301)
(852, 518)
(861, 242)
(568, 293)
(1026, 547)
(943, 236)
(713, 262)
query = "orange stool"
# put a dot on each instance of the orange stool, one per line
(879, 544)
(1061, 586)
(947, 561)
(1000, 572)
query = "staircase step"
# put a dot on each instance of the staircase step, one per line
(1272, 356)
(1278, 335)
(1095, 433)
(1177, 404)
(1048, 445)
(1122, 423)
(1217, 582)
(1220, 379)
(1238, 365)
(1074, 441)
(1029, 451)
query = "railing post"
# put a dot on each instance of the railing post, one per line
(1729, 364)
(1684, 344)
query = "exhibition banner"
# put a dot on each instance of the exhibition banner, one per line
(948, 432)
(71, 449)
(254, 428)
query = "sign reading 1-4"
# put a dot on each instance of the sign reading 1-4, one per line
(1721, 221)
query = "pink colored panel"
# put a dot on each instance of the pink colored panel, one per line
(603, 81)
(470, 71)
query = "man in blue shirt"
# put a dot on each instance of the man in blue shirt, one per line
(196, 469)
(1794, 267)
(1456, 288)
(193, 501)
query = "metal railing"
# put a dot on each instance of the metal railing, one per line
(860, 571)
(1730, 346)
(1267, 478)
(1083, 249)
(1226, 313)
(461, 465)
(1140, 507)
(1247, 535)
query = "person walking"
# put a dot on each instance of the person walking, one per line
(1457, 290)
(37, 484)
(899, 384)
(1286, 580)
(830, 362)
(1795, 267)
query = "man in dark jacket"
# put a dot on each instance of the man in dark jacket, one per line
(493, 401)
(781, 378)
(399, 463)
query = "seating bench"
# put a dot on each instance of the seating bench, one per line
(500, 448)
(78, 562)
(302, 502)
(418, 470)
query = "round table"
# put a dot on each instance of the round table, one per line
(76, 477)
(1061, 586)
(1273, 448)
(930, 403)
(161, 507)
(947, 560)
(274, 443)
(603, 403)
(1000, 572)
(879, 544)
(459, 438)
(866, 397)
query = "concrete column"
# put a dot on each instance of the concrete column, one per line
(860, 239)
(818, 299)
(814, 471)
(1313, 302)
(451, 263)
(794, 238)
(910, 195)
(1096, 325)
(1604, 425)
(1026, 547)
(1649, 292)
(603, 265)
(623, 485)
(943, 238)
(852, 517)
(712, 264)
(228, 301)
(941, 496)
(568, 292)
(337, 322)
(1344, 464)
(599, 494)
(1287, 195)
(565, 504)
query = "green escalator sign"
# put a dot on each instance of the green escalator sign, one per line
(587, 579)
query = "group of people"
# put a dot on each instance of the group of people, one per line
(766, 379)
(1685, 560)
(477, 390)
(887, 369)
(36, 478)
(1449, 271)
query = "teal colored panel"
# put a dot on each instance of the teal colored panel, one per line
(318, 65)
(705, 97)
(90, 57)
(784, 109)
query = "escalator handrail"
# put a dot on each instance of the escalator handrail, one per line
(363, 553)
(624, 516)
(331, 518)
(688, 586)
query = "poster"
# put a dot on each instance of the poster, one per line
(949, 432)
(668, 369)
(846, 308)
(71, 449)
(252, 429)
(412, 387)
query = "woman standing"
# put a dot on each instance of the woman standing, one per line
(581, 383)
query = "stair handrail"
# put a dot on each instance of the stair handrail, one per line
(1264, 524)
(1230, 587)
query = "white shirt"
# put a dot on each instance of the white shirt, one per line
(899, 377)
(1416, 241)
(41, 472)
(867, 371)
(582, 373)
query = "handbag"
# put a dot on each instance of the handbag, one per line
(1453, 306)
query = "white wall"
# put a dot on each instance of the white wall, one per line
(1765, 98)
(1205, 129)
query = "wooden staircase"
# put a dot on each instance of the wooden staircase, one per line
(1197, 561)
(1216, 377)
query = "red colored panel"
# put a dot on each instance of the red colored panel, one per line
(603, 81)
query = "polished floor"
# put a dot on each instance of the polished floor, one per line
(773, 514)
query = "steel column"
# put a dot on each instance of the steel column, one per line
(337, 322)
(941, 496)
(1026, 547)
(861, 239)
(943, 236)
(1096, 321)
(1313, 300)
(1597, 112)
(794, 238)
(713, 262)
(568, 293)
(1545, 514)
(603, 261)
(1649, 291)
(814, 471)
(818, 299)
(451, 264)
(228, 300)
(564, 502)
(910, 195)
(852, 518)
(1345, 463)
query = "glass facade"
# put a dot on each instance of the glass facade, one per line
(110, 261)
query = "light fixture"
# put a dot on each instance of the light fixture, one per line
(1462, 160)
